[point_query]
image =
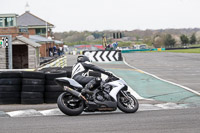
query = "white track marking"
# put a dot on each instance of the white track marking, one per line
(51, 112)
(24, 113)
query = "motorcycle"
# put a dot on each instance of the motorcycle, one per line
(110, 95)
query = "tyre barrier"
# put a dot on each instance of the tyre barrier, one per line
(32, 87)
(52, 90)
(10, 87)
(29, 87)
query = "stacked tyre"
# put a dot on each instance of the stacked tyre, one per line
(52, 90)
(32, 87)
(68, 70)
(10, 87)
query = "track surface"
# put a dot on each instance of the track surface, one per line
(181, 68)
(167, 121)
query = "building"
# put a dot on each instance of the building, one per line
(25, 53)
(39, 31)
(34, 25)
(28, 32)
(46, 44)
(8, 25)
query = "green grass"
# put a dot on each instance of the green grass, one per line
(197, 50)
(194, 45)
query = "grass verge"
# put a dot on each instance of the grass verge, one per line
(197, 50)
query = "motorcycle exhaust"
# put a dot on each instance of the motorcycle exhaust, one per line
(74, 92)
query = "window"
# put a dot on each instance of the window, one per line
(43, 30)
(1, 22)
(8, 21)
(40, 31)
(23, 29)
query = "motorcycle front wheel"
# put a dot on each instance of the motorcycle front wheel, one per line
(69, 104)
(127, 102)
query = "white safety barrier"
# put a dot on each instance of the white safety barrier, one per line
(104, 55)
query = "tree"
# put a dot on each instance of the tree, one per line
(184, 39)
(198, 36)
(169, 41)
(90, 38)
(158, 42)
(193, 39)
(137, 38)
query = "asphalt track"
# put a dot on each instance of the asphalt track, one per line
(167, 121)
(181, 68)
(162, 121)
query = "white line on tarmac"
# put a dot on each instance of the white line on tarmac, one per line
(186, 88)
(51, 112)
(24, 113)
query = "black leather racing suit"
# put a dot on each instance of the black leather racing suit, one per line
(80, 74)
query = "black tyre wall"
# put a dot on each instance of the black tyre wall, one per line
(31, 95)
(10, 88)
(50, 82)
(32, 101)
(54, 88)
(10, 101)
(10, 81)
(52, 76)
(51, 97)
(27, 81)
(33, 75)
(33, 88)
(10, 74)
(9, 95)
(68, 70)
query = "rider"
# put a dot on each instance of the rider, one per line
(80, 74)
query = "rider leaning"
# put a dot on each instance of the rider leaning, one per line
(80, 74)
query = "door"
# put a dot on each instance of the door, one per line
(20, 56)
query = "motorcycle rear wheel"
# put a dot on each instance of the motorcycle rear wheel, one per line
(128, 104)
(69, 104)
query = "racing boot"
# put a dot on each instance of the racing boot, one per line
(86, 90)
(89, 86)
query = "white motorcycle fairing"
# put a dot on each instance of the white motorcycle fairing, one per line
(117, 86)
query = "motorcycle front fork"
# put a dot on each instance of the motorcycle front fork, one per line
(126, 97)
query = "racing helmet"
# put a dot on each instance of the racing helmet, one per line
(83, 58)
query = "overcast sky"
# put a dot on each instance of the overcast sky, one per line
(91, 15)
